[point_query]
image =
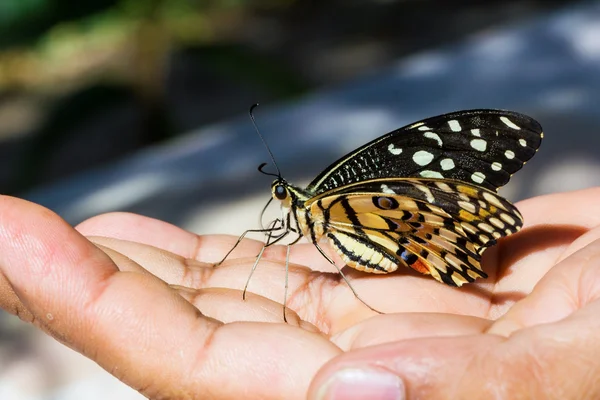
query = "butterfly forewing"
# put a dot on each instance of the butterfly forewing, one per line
(480, 147)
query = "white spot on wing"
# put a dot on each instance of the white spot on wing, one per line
(444, 187)
(447, 164)
(523, 142)
(428, 194)
(434, 136)
(509, 123)
(475, 132)
(422, 157)
(468, 206)
(394, 150)
(478, 177)
(463, 197)
(509, 154)
(386, 189)
(497, 223)
(431, 174)
(485, 227)
(493, 200)
(479, 144)
(496, 166)
(454, 125)
(510, 220)
(424, 128)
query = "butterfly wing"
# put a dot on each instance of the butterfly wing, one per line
(436, 227)
(481, 147)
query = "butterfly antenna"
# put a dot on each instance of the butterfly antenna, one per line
(251, 112)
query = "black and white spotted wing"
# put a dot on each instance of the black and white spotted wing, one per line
(481, 147)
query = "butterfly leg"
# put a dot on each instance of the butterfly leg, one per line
(268, 243)
(345, 279)
(287, 269)
(269, 230)
(258, 257)
(262, 250)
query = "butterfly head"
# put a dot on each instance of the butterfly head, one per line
(288, 194)
(280, 190)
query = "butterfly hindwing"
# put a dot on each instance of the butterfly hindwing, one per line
(481, 147)
(435, 227)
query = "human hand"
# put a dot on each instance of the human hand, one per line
(528, 331)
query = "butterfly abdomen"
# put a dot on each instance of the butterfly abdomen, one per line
(361, 255)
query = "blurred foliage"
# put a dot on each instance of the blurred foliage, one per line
(50, 40)
(14, 11)
(67, 63)
(23, 21)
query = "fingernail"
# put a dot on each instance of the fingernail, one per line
(364, 383)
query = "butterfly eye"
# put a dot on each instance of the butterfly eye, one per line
(280, 192)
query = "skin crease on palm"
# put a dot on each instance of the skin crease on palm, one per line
(141, 298)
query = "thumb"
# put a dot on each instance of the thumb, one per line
(417, 368)
(544, 362)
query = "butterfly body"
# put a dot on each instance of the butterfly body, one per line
(423, 196)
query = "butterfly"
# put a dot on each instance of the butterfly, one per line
(423, 196)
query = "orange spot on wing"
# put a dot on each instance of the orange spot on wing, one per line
(469, 191)
(467, 216)
(421, 267)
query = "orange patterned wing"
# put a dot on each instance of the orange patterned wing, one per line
(436, 227)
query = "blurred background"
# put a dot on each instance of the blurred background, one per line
(140, 105)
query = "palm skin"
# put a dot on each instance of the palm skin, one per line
(528, 331)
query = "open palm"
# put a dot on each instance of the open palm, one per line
(528, 331)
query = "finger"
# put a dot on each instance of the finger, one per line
(206, 248)
(409, 369)
(219, 302)
(122, 262)
(227, 306)
(162, 235)
(10, 302)
(550, 228)
(569, 286)
(138, 328)
(309, 294)
(550, 361)
(576, 208)
(268, 280)
(402, 326)
(580, 243)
